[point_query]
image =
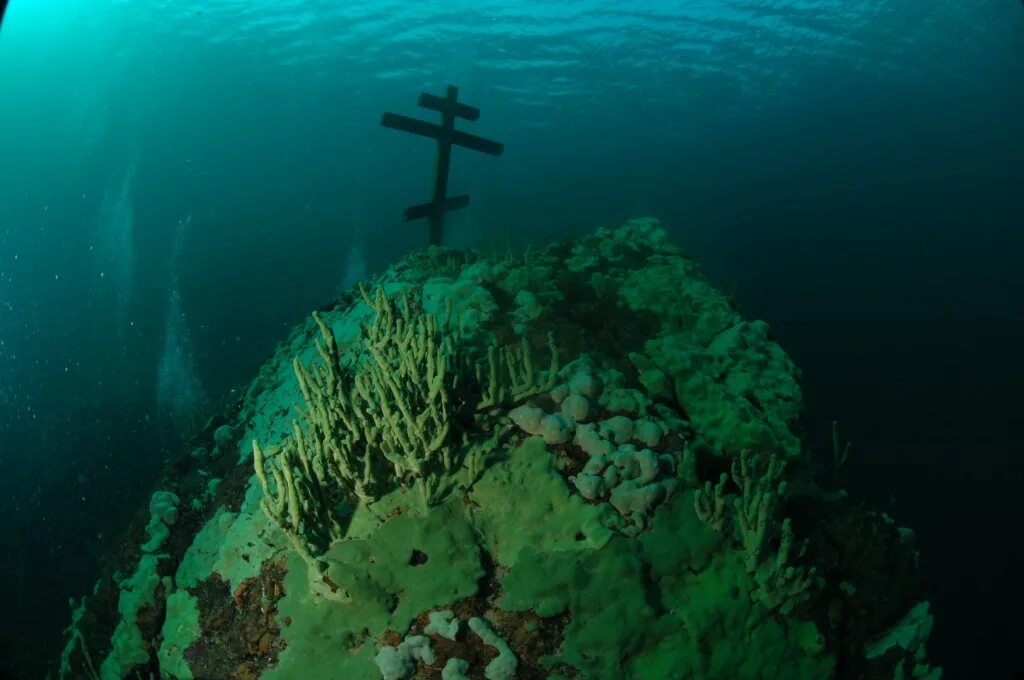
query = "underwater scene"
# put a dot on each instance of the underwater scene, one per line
(562, 340)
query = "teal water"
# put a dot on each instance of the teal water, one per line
(181, 182)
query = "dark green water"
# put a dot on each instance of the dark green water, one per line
(180, 183)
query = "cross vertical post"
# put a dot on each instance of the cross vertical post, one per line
(444, 164)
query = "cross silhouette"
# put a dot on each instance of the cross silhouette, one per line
(446, 136)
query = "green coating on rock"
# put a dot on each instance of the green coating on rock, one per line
(396, 663)
(423, 561)
(678, 541)
(455, 669)
(523, 501)
(411, 564)
(503, 666)
(232, 545)
(585, 553)
(670, 605)
(323, 637)
(163, 514)
(443, 623)
(611, 617)
(727, 635)
(605, 594)
(540, 583)
(740, 391)
(181, 628)
(128, 647)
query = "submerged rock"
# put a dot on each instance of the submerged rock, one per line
(600, 476)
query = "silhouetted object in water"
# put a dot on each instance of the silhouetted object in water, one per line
(446, 135)
(3, 8)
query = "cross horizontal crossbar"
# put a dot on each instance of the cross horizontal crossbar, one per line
(397, 121)
(447, 106)
(434, 208)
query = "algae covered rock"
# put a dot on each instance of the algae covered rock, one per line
(572, 464)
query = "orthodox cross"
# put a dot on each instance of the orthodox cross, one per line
(446, 135)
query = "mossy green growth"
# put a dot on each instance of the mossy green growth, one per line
(723, 633)
(523, 501)
(606, 593)
(669, 606)
(323, 637)
(614, 616)
(413, 563)
(671, 287)
(128, 646)
(740, 391)
(181, 628)
(678, 541)
(542, 582)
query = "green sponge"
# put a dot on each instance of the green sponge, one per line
(503, 667)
